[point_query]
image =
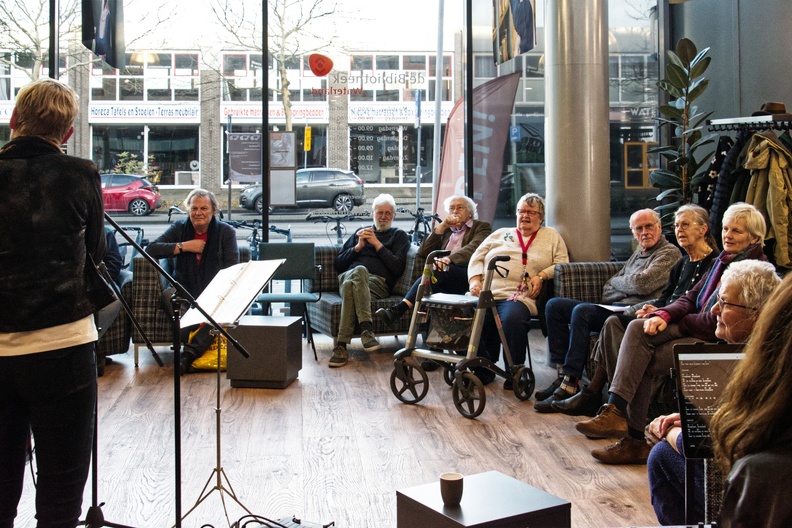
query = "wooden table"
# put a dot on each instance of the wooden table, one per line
(490, 500)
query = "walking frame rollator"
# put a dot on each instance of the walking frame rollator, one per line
(451, 323)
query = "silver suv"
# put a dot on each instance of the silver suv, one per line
(336, 188)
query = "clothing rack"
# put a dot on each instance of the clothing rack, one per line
(756, 123)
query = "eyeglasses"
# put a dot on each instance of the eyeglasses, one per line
(683, 226)
(527, 212)
(722, 303)
(645, 227)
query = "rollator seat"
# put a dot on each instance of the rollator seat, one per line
(449, 300)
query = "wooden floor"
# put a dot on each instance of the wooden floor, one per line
(335, 445)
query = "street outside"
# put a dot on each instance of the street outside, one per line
(302, 229)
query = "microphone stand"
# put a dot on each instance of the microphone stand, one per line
(94, 517)
(181, 295)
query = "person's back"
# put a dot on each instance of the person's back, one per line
(52, 231)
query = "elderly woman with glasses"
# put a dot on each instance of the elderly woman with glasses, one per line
(647, 348)
(745, 286)
(534, 252)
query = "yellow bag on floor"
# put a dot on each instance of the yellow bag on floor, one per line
(208, 360)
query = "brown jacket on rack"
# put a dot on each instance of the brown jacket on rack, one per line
(770, 190)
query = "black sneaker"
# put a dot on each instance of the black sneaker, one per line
(389, 316)
(544, 394)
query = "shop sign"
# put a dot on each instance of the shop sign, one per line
(145, 112)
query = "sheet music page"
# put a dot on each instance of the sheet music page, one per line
(614, 309)
(232, 291)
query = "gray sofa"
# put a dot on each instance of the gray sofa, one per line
(326, 313)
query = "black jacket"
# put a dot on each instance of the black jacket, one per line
(219, 253)
(51, 217)
(389, 262)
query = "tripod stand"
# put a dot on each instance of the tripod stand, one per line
(94, 517)
(218, 472)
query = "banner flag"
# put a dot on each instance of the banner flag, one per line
(513, 28)
(493, 102)
(103, 30)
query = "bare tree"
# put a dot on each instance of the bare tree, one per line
(24, 31)
(292, 27)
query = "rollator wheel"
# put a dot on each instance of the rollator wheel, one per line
(469, 395)
(448, 374)
(409, 383)
(524, 383)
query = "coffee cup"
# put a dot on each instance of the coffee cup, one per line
(451, 488)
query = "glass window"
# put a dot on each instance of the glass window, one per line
(387, 62)
(171, 149)
(483, 66)
(186, 64)
(414, 62)
(235, 65)
(359, 95)
(361, 63)
(387, 95)
(132, 89)
(534, 66)
(446, 72)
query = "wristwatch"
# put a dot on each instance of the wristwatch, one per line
(181, 247)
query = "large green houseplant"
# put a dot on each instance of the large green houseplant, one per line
(684, 83)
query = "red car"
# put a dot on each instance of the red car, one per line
(127, 192)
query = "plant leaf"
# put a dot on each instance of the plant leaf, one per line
(669, 88)
(665, 194)
(673, 58)
(698, 90)
(686, 51)
(665, 179)
(698, 68)
(677, 76)
(671, 111)
(699, 56)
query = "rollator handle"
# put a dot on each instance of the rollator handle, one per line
(498, 258)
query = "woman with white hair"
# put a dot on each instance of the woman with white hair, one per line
(745, 286)
(461, 233)
(646, 349)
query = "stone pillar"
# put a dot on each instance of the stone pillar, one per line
(211, 155)
(576, 126)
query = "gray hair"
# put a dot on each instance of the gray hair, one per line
(384, 199)
(471, 205)
(754, 221)
(755, 279)
(702, 218)
(534, 200)
(203, 193)
(652, 212)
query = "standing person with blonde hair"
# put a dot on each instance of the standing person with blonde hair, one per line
(53, 232)
(752, 430)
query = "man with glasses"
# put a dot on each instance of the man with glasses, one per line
(570, 322)
(369, 264)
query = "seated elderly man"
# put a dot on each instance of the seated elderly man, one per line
(570, 322)
(369, 264)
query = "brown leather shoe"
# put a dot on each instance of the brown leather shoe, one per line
(609, 423)
(628, 450)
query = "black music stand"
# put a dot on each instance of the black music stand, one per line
(181, 295)
(228, 296)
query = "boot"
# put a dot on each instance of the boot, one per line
(584, 403)
(188, 355)
(390, 315)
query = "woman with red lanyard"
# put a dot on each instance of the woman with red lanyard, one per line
(534, 252)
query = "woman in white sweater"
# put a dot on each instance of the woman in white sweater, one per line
(534, 252)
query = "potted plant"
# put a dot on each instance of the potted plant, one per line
(684, 83)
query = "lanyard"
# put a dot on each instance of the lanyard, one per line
(525, 247)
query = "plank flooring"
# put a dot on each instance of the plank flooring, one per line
(335, 445)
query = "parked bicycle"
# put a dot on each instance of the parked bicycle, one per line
(422, 225)
(339, 227)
